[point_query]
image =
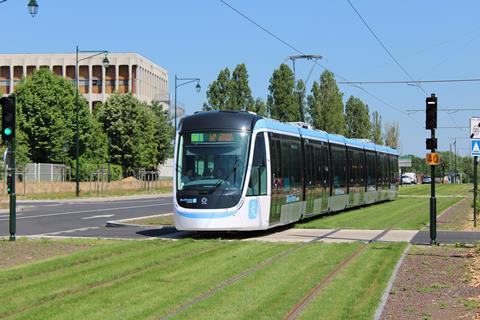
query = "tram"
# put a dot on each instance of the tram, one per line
(240, 171)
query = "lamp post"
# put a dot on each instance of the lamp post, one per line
(105, 64)
(181, 82)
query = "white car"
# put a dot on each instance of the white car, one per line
(406, 180)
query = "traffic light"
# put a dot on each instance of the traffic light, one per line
(431, 120)
(8, 118)
(9, 184)
(431, 143)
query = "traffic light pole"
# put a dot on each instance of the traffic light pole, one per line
(13, 194)
(433, 200)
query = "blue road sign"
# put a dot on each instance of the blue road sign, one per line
(475, 147)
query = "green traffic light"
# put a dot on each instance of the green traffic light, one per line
(7, 131)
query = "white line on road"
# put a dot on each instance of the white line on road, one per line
(72, 230)
(87, 211)
(99, 216)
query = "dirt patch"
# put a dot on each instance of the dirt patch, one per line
(129, 179)
(436, 283)
(13, 253)
(458, 217)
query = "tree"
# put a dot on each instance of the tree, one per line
(376, 128)
(240, 95)
(260, 107)
(281, 102)
(165, 132)
(46, 115)
(392, 134)
(131, 127)
(300, 98)
(357, 119)
(326, 105)
(218, 92)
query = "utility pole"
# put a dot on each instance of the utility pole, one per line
(455, 144)
(313, 57)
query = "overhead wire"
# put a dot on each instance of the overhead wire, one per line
(384, 46)
(316, 62)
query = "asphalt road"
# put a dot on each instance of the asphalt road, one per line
(83, 218)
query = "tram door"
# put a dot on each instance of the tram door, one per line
(278, 196)
(322, 174)
(316, 177)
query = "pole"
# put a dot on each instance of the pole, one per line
(475, 184)
(13, 194)
(433, 200)
(175, 107)
(77, 147)
(455, 143)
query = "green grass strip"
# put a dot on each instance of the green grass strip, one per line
(402, 213)
(157, 289)
(440, 189)
(59, 285)
(270, 292)
(356, 290)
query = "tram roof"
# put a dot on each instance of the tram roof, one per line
(242, 120)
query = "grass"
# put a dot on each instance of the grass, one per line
(90, 194)
(356, 291)
(440, 190)
(163, 220)
(402, 213)
(150, 279)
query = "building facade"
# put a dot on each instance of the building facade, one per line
(127, 72)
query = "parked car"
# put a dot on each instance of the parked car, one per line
(412, 176)
(427, 179)
(406, 180)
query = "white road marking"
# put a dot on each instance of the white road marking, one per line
(72, 230)
(87, 211)
(99, 216)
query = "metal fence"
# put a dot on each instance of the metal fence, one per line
(42, 172)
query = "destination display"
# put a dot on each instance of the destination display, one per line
(212, 137)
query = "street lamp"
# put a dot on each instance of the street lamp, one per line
(105, 63)
(32, 7)
(183, 81)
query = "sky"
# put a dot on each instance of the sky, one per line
(430, 40)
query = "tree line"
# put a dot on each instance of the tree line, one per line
(323, 106)
(125, 132)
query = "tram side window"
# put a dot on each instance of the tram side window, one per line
(393, 169)
(339, 163)
(386, 176)
(258, 175)
(275, 158)
(357, 167)
(292, 166)
(371, 169)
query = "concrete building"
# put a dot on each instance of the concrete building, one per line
(127, 72)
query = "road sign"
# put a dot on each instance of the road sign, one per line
(432, 159)
(405, 161)
(475, 144)
(475, 128)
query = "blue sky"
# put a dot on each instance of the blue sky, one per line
(431, 39)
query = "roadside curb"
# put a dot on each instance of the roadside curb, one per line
(388, 289)
(124, 222)
(98, 199)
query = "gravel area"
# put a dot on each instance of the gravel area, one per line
(436, 283)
